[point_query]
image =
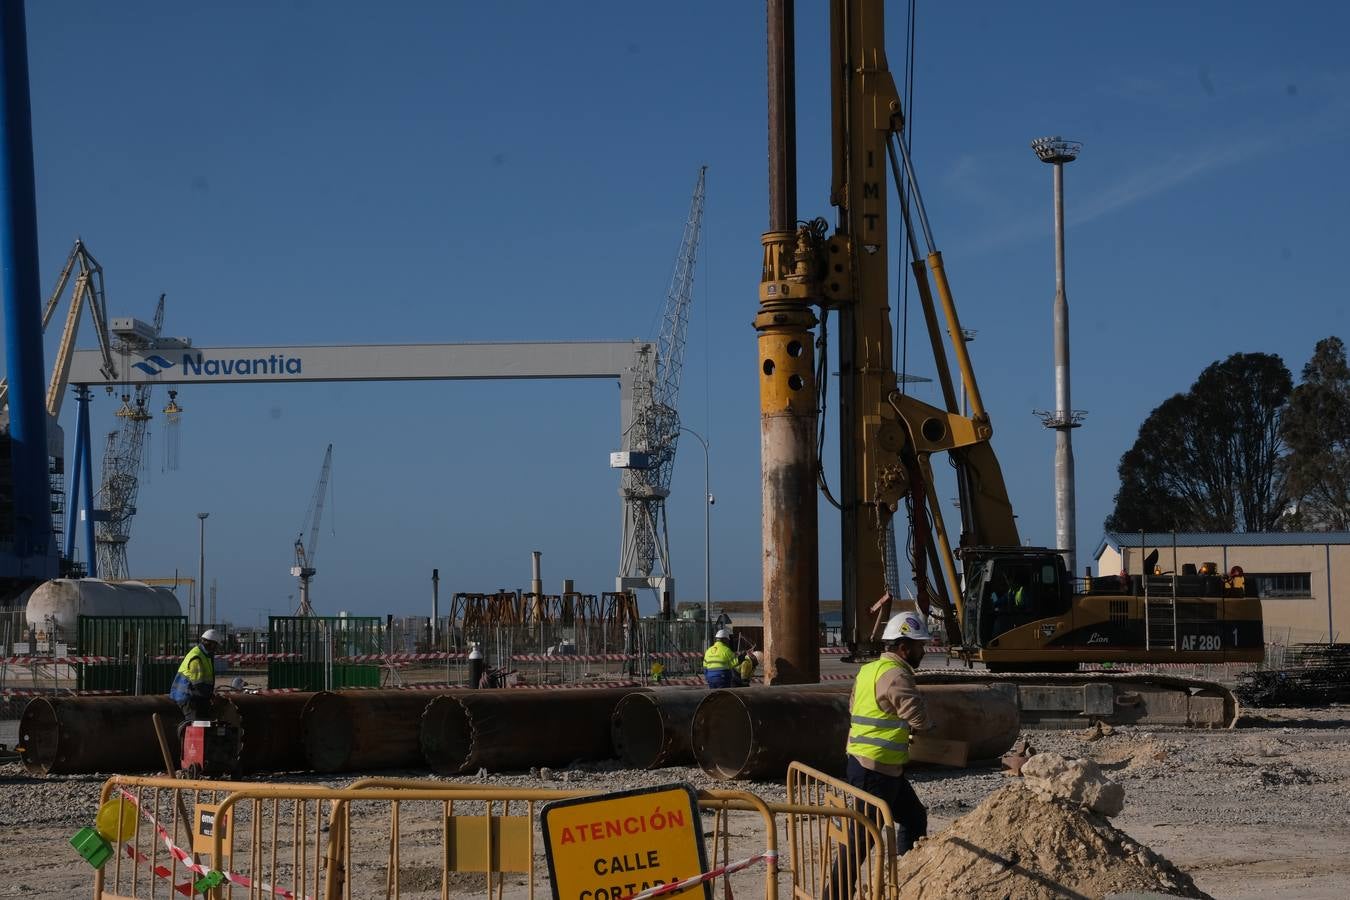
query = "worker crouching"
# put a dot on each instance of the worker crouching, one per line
(721, 663)
(196, 679)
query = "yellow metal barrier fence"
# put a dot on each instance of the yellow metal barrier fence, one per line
(395, 837)
(832, 856)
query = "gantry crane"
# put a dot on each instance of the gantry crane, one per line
(648, 459)
(305, 553)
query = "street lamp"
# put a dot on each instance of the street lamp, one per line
(708, 501)
(201, 567)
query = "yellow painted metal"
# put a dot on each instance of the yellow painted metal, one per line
(307, 846)
(488, 844)
(862, 856)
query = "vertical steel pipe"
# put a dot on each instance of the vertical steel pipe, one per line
(787, 391)
(504, 730)
(33, 540)
(345, 731)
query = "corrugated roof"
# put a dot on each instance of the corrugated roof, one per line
(1118, 539)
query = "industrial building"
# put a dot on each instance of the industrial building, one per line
(1303, 578)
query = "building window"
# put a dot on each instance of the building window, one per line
(1283, 585)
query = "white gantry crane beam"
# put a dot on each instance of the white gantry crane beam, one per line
(648, 459)
(307, 551)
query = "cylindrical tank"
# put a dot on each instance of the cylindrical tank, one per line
(59, 603)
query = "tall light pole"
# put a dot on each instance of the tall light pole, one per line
(708, 502)
(1056, 151)
(201, 567)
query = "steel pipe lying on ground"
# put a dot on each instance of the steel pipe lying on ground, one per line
(504, 730)
(755, 733)
(651, 731)
(346, 731)
(69, 735)
(270, 735)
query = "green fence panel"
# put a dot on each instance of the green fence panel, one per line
(329, 651)
(125, 638)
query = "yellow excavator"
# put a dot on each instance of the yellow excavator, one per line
(1011, 607)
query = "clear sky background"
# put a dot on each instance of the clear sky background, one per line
(306, 172)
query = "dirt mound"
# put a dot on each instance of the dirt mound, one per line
(1014, 846)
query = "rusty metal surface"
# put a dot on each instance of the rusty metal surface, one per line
(756, 733)
(345, 731)
(504, 730)
(269, 728)
(68, 735)
(652, 731)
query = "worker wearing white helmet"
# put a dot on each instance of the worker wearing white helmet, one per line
(196, 679)
(719, 662)
(885, 710)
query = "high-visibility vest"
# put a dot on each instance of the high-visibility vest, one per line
(874, 733)
(719, 656)
(186, 682)
(1019, 598)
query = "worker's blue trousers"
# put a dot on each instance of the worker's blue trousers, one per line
(720, 678)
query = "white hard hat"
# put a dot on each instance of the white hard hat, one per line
(239, 683)
(211, 634)
(722, 633)
(906, 625)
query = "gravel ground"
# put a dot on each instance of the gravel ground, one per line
(1260, 810)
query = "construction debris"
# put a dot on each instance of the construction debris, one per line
(1312, 675)
(1017, 846)
(1052, 777)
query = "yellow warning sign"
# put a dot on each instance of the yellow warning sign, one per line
(616, 845)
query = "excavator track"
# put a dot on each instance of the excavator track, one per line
(1076, 699)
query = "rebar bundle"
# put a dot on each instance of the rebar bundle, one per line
(1313, 675)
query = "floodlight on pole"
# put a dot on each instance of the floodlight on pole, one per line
(1057, 151)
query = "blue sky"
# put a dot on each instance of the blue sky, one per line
(377, 173)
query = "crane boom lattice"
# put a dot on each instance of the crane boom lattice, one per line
(655, 430)
(306, 551)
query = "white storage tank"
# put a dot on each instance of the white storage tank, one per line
(56, 605)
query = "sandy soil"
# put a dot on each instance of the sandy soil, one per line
(1259, 811)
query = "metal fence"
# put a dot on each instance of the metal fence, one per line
(393, 838)
(143, 652)
(327, 651)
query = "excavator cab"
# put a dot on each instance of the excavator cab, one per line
(1007, 588)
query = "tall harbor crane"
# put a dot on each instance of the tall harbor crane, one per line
(305, 553)
(648, 458)
(122, 454)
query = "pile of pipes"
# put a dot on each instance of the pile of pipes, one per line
(1312, 675)
(743, 733)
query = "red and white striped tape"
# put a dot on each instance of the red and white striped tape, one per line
(160, 871)
(8, 692)
(674, 887)
(57, 660)
(401, 657)
(185, 858)
(235, 657)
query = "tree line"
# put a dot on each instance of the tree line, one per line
(1244, 450)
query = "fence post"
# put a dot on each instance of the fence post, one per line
(140, 662)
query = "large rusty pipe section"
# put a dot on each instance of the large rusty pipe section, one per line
(652, 731)
(69, 735)
(269, 729)
(505, 730)
(346, 731)
(756, 733)
(787, 389)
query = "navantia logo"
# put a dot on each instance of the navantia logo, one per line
(196, 364)
(148, 365)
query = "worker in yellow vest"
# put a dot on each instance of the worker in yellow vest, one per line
(196, 679)
(885, 710)
(720, 661)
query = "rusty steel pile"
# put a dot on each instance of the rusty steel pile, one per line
(741, 733)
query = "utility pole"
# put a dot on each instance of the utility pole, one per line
(201, 567)
(1056, 151)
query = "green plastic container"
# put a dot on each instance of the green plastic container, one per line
(92, 846)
